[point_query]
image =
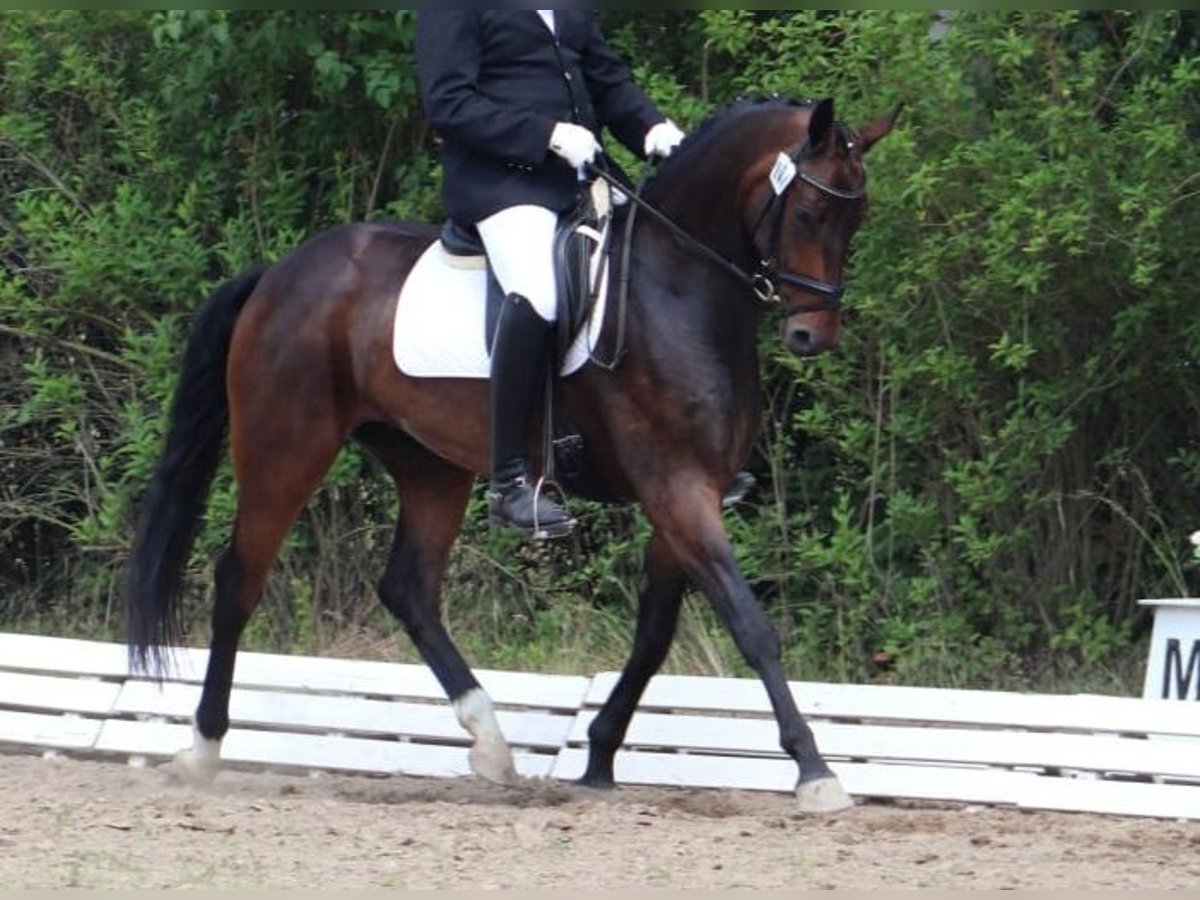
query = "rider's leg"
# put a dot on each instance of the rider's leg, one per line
(520, 248)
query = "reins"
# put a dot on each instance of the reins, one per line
(754, 282)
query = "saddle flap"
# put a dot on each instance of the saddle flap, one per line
(581, 250)
(580, 258)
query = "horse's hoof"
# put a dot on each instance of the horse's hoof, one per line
(600, 785)
(823, 797)
(493, 762)
(199, 763)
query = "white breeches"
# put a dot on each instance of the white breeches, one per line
(520, 247)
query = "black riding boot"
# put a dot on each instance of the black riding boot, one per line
(520, 359)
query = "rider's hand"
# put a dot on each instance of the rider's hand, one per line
(574, 143)
(663, 139)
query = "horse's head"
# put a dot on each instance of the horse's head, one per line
(803, 206)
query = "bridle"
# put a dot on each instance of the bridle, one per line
(770, 274)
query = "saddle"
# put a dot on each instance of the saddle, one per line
(581, 251)
(582, 248)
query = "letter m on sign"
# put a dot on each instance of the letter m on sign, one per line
(1179, 683)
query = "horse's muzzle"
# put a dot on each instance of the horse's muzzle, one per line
(809, 335)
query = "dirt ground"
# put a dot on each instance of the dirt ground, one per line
(70, 823)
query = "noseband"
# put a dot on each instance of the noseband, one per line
(771, 273)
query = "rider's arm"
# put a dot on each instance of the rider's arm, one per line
(620, 104)
(449, 51)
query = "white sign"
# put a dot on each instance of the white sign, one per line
(783, 174)
(1173, 669)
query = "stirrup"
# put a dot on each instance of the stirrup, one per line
(562, 529)
(743, 483)
(538, 531)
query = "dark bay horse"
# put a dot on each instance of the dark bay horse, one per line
(296, 360)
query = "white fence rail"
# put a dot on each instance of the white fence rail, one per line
(1072, 753)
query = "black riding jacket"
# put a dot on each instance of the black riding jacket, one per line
(494, 83)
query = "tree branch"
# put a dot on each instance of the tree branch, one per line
(71, 346)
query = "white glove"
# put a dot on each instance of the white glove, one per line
(574, 143)
(663, 139)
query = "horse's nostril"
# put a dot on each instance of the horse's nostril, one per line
(800, 341)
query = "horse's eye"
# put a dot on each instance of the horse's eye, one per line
(805, 218)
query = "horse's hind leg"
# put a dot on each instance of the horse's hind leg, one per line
(433, 497)
(273, 491)
(658, 615)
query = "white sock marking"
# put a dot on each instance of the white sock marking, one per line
(477, 715)
(490, 757)
(203, 759)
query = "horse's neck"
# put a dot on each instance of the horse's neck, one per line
(706, 304)
(689, 322)
(710, 212)
(693, 348)
(693, 320)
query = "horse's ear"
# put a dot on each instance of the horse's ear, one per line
(879, 129)
(820, 124)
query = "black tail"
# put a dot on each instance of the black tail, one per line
(175, 503)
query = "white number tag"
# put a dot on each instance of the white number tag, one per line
(783, 174)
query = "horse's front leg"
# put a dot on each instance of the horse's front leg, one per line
(688, 517)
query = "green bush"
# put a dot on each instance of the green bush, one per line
(976, 489)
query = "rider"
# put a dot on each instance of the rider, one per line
(519, 98)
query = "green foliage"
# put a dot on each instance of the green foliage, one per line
(976, 489)
(988, 459)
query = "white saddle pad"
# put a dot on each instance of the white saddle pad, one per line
(441, 321)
